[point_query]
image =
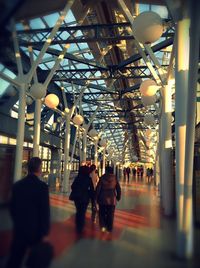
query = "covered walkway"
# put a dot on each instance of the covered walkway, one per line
(112, 84)
(142, 235)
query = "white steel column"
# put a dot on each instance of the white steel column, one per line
(74, 145)
(181, 81)
(96, 144)
(96, 152)
(37, 122)
(68, 115)
(167, 150)
(104, 161)
(84, 146)
(20, 133)
(160, 159)
(85, 135)
(21, 111)
(194, 36)
(66, 153)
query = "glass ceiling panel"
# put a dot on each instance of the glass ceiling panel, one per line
(70, 17)
(37, 24)
(4, 84)
(161, 10)
(51, 19)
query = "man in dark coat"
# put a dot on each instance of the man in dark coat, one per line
(108, 192)
(30, 212)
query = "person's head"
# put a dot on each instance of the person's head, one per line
(35, 166)
(109, 170)
(83, 171)
(92, 168)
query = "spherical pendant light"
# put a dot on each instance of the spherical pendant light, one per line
(78, 119)
(51, 101)
(93, 133)
(148, 88)
(59, 119)
(149, 119)
(11, 91)
(103, 143)
(147, 101)
(29, 100)
(148, 27)
(38, 91)
(135, 158)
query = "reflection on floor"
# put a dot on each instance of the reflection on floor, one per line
(141, 236)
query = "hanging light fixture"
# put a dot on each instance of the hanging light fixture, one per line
(148, 88)
(59, 119)
(148, 100)
(78, 119)
(148, 27)
(11, 91)
(103, 143)
(29, 100)
(135, 158)
(51, 101)
(37, 91)
(93, 133)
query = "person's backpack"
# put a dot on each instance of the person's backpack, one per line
(40, 256)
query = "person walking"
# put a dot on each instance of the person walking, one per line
(30, 212)
(108, 192)
(148, 175)
(82, 193)
(124, 172)
(141, 171)
(128, 171)
(134, 172)
(94, 177)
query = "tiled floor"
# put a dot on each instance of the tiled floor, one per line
(141, 236)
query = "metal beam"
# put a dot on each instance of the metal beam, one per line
(155, 48)
(91, 33)
(71, 57)
(133, 72)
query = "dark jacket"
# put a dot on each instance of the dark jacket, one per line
(108, 190)
(30, 208)
(82, 189)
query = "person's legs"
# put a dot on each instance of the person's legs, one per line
(80, 216)
(94, 210)
(18, 251)
(102, 216)
(110, 218)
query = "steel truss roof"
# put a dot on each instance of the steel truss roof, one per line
(107, 85)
